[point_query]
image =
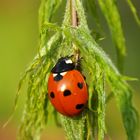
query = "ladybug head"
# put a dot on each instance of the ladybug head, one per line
(63, 64)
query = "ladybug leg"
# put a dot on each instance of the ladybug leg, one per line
(71, 56)
(78, 62)
(93, 110)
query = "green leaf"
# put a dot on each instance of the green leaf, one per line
(111, 13)
(92, 9)
(90, 51)
(134, 11)
(75, 127)
(46, 13)
(47, 10)
(36, 109)
(101, 105)
(123, 96)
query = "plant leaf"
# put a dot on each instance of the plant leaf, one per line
(90, 51)
(46, 12)
(134, 11)
(75, 127)
(111, 13)
(36, 109)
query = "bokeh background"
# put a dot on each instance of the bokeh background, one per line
(19, 44)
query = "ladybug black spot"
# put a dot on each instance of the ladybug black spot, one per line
(58, 77)
(52, 95)
(67, 93)
(79, 106)
(80, 85)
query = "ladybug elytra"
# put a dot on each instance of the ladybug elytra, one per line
(67, 89)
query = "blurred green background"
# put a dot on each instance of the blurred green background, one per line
(19, 44)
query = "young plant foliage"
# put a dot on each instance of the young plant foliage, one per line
(95, 65)
(110, 11)
(134, 11)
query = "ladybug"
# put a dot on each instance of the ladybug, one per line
(67, 89)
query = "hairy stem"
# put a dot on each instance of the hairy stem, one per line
(74, 19)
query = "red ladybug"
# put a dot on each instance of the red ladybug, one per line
(67, 89)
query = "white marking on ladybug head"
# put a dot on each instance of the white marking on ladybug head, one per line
(63, 73)
(54, 75)
(69, 61)
(63, 87)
